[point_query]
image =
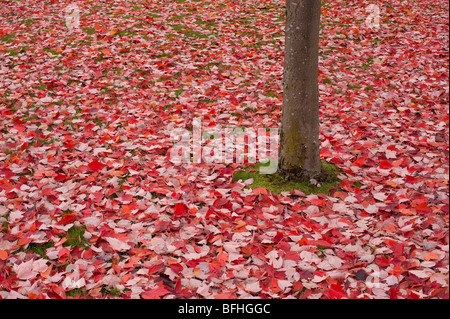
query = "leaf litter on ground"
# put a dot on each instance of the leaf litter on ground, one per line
(91, 207)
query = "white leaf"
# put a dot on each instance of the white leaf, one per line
(252, 285)
(231, 247)
(309, 257)
(371, 209)
(283, 284)
(331, 262)
(204, 291)
(421, 273)
(340, 207)
(30, 269)
(391, 154)
(391, 280)
(15, 216)
(24, 270)
(311, 210)
(117, 244)
(46, 99)
(158, 245)
(380, 196)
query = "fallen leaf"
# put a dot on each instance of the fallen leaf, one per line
(3, 254)
(430, 256)
(96, 165)
(157, 293)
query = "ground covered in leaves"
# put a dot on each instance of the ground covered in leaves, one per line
(91, 207)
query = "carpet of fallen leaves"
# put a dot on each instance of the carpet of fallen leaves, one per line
(91, 207)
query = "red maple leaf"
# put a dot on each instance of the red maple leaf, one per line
(336, 292)
(67, 219)
(180, 209)
(96, 165)
(155, 293)
(385, 165)
(382, 261)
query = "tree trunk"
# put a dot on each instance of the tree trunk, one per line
(299, 155)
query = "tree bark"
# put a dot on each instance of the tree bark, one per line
(299, 155)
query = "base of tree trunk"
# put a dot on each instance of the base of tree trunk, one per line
(299, 175)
